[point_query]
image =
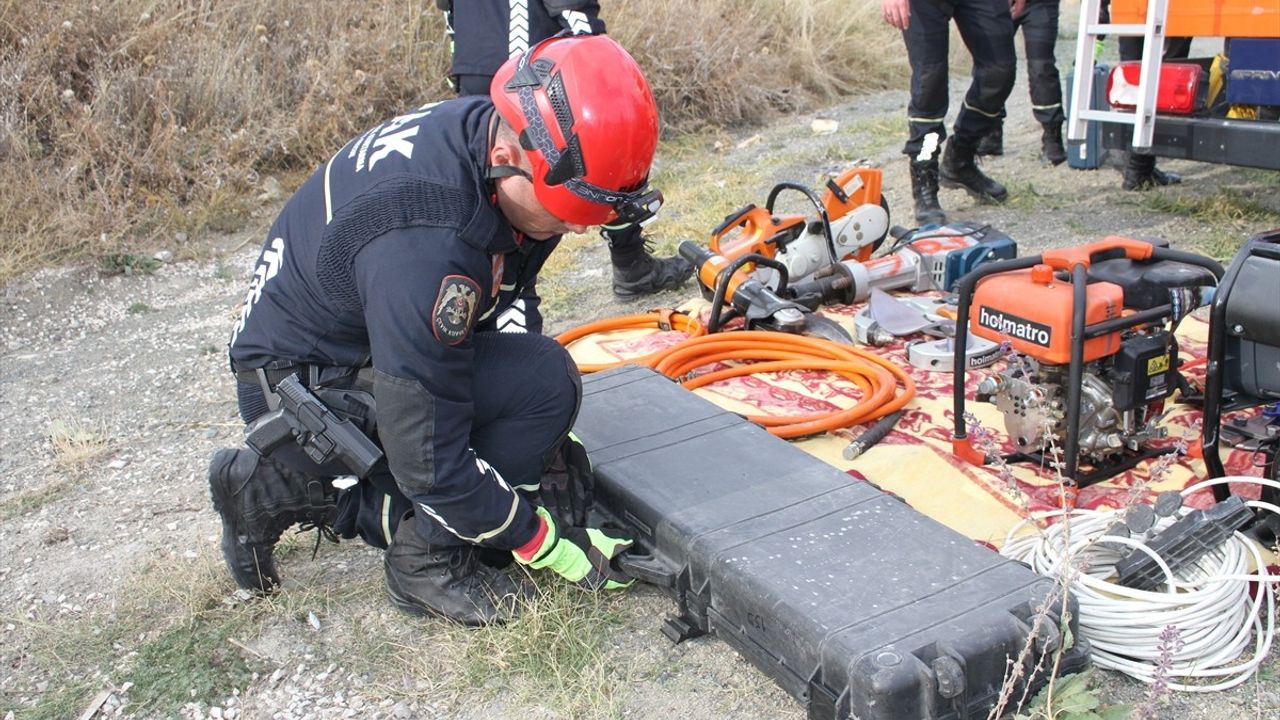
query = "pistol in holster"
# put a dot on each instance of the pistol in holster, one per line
(302, 418)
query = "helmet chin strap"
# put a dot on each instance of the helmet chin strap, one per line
(500, 171)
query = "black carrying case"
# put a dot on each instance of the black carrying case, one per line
(856, 604)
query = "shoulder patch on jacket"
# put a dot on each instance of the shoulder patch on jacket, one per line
(455, 309)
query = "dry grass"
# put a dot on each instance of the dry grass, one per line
(77, 444)
(137, 122)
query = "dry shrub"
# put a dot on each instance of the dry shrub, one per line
(128, 121)
(736, 62)
(77, 443)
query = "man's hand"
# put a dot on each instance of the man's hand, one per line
(898, 12)
(567, 483)
(580, 555)
(1016, 7)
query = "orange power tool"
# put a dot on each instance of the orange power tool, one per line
(852, 220)
(760, 306)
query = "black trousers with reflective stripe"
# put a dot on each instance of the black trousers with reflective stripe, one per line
(525, 392)
(1039, 25)
(987, 30)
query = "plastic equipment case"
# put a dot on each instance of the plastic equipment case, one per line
(1087, 155)
(856, 604)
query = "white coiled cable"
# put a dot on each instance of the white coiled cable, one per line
(1222, 634)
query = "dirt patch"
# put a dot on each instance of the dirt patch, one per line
(116, 553)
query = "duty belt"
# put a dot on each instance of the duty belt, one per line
(272, 376)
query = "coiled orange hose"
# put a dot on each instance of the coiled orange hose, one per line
(656, 320)
(764, 351)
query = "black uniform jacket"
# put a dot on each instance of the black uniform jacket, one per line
(394, 252)
(487, 32)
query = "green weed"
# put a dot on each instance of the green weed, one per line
(193, 661)
(128, 264)
(1225, 206)
(554, 653)
(32, 500)
(1071, 698)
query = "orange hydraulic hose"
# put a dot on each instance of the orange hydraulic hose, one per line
(765, 351)
(658, 319)
(859, 366)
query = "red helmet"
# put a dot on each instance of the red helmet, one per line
(587, 119)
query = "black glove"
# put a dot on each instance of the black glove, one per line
(568, 484)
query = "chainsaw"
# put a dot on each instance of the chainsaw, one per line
(851, 221)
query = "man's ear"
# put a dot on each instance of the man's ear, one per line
(505, 151)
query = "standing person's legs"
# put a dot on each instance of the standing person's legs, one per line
(1140, 171)
(927, 38)
(987, 29)
(1039, 25)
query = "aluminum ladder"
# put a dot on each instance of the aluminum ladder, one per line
(1143, 118)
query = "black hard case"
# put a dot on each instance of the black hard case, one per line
(856, 604)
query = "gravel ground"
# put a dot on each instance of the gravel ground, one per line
(136, 364)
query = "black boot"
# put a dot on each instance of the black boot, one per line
(1140, 173)
(958, 170)
(449, 582)
(924, 191)
(258, 500)
(992, 143)
(1051, 146)
(635, 270)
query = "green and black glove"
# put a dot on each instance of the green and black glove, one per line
(582, 556)
(568, 484)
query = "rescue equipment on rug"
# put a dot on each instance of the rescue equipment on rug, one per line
(735, 293)
(929, 258)
(1093, 357)
(851, 221)
(887, 317)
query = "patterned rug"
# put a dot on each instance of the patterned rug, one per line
(915, 460)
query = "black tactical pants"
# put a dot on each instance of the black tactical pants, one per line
(1039, 25)
(987, 29)
(525, 393)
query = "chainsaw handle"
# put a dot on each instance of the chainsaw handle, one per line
(756, 227)
(733, 219)
(1108, 248)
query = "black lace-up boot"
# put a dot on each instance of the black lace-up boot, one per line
(450, 582)
(635, 270)
(1141, 173)
(992, 144)
(1051, 146)
(258, 500)
(924, 191)
(959, 170)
